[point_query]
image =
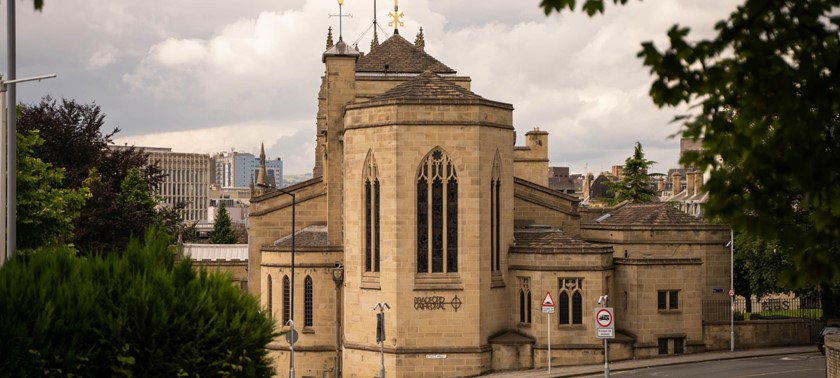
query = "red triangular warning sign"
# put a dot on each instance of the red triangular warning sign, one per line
(548, 301)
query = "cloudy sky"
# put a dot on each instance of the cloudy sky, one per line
(212, 75)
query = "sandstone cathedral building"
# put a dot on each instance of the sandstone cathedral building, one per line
(421, 200)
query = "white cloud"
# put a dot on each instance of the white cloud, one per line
(184, 68)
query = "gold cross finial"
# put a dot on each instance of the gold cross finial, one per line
(396, 15)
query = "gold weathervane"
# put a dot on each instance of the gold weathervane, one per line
(396, 15)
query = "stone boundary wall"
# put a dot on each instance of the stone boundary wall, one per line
(758, 334)
(832, 356)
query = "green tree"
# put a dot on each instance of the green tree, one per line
(46, 211)
(74, 141)
(134, 313)
(222, 231)
(766, 89)
(635, 180)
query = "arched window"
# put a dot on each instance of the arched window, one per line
(528, 305)
(564, 307)
(307, 302)
(495, 207)
(437, 215)
(571, 313)
(286, 300)
(521, 306)
(371, 203)
(270, 297)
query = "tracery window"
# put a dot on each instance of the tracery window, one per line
(371, 203)
(495, 207)
(307, 302)
(286, 300)
(437, 215)
(571, 290)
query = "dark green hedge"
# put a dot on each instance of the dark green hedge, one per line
(134, 313)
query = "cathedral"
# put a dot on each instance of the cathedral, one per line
(422, 208)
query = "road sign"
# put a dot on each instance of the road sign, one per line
(292, 336)
(604, 324)
(547, 300)
(548, 303)
(605, 333)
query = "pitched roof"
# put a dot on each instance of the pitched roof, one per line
(400, 56)
(427, 85)
(547, 240)
(310, 236)
(649, 214)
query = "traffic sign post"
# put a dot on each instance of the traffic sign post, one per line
(548, 309)
(605, 329)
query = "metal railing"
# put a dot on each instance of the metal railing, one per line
(763, 309)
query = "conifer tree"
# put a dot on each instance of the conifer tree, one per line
(635, 180)
(222, 231)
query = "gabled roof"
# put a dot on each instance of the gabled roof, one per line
(427, 85)
(400, 56)
(548, 240)
(310, 236)
(648, 214)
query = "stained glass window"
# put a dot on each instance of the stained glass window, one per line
(307, 302)
(571, 313)
(437, 215)
(371, 209)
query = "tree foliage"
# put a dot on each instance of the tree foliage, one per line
(45, 210)
(74, 141)
(766, 89)
(222, 231)
(634, 184)
(135, 313)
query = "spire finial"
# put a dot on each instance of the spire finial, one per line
(420, 42)
(329, 38)
(396, 15)
(262, 174)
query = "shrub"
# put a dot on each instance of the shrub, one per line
(135, 313)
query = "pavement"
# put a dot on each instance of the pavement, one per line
(583, 370)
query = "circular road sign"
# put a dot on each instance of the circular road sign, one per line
(292, 336)
(604, 318)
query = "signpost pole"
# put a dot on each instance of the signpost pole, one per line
(605, 329)
(548, 309)
(549, 343)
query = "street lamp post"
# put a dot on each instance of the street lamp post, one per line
(292, 299)
(380, 335)
(338, 277)
(732, 290)
(8, 192)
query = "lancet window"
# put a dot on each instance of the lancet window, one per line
(437, 214)
(371, 203)
(307, 302)
(571, 291)
(495, 207)
(286, 299)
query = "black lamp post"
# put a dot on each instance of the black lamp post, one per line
(292, 299)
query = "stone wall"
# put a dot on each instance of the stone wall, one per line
(832, 356)
(757, 334)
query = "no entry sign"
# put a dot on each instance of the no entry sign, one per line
(604, 323)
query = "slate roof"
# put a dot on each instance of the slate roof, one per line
(427, 85)
(311, 236)
(401, 56)
(649, 214)
(547, 240)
